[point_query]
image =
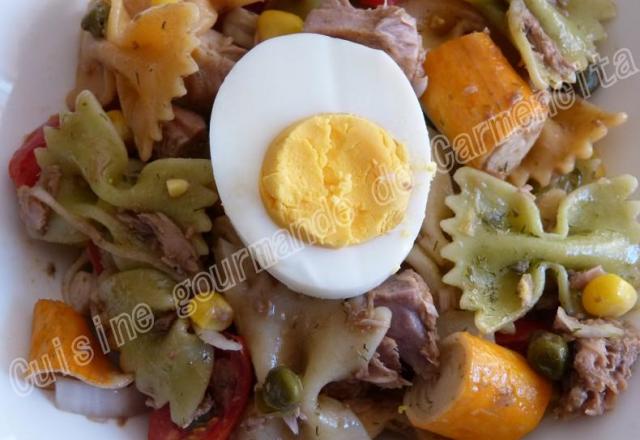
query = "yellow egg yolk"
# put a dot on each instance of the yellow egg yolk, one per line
(336, 180)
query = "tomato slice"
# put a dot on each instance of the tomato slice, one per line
(162, 428)
(519, 341)
(23, 167)
(231, 388)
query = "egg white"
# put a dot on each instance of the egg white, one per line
(284, 80)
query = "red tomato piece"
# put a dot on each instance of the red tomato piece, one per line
(519, 341)
(23, 167)
(234, 389)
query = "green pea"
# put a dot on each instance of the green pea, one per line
(282, 389)
(260, 404)
(548, 354)
(95, 20)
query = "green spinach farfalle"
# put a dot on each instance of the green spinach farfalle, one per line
(501, 251)
(557, 39)
(171, 365)
(99, 182)
(88, 145)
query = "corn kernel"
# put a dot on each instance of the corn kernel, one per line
(211, 312)
(177, 187)
(163, 2)
(120, 124)
(609, 296)
(272, 23)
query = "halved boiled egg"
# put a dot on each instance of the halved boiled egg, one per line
(321, 158)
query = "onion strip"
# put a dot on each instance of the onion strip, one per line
(77, 397)
(216, 339)
(87, 229)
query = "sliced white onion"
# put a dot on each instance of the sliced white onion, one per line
(217, 339)
(77, 397)
(582, 330)
(83, 226)
(291, 420)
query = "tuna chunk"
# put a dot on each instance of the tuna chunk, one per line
(384, 368)
(388, 28)
(33, 213)
(601, 367)
(215, 56)
(177, 251)
(413, 324)
(182, 136)
(579, 280)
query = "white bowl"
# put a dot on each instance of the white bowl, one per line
(38, 46)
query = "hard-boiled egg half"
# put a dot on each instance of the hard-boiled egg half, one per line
(321, 158)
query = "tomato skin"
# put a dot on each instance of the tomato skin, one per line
(374, 3)
(519, 341)
(162, 428)
(221, 426)
(23, 167)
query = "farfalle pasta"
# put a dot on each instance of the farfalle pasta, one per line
(98, 183)
(92, 74)
(320, 340)
(207, 15)
(170, 365)
(487, 284)
(567, 136)
(425, 257)
(502, 252)
(105, 166)
(151, 55)
(556, 40)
